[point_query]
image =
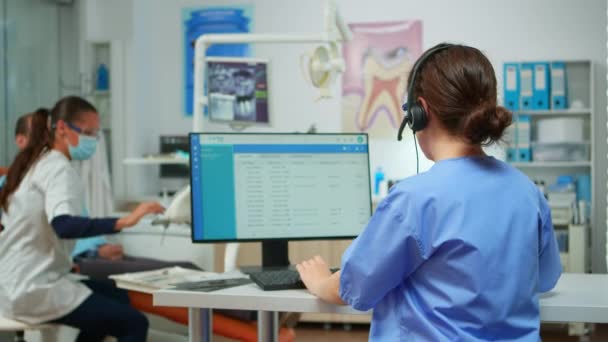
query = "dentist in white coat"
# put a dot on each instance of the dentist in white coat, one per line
(43, 215)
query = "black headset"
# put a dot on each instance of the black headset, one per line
(415, 115)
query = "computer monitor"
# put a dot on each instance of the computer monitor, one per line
(238, 90)
(278, 187)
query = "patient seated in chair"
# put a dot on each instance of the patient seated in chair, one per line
(98, 259)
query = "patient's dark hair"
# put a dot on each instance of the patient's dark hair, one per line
(40, 140)
(459, 85)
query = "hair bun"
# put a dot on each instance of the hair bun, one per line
(486, 124)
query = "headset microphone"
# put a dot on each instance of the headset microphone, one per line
(415, 114)
(405, 121)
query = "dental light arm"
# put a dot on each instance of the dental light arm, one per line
(179, 212)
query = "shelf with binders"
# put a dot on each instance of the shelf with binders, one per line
(551, 139)
(552, 103)
(548, 87)
(550, 143)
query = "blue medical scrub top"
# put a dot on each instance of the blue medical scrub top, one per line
(459, 253)
(88, 245)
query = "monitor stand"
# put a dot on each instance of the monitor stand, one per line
(275, 255)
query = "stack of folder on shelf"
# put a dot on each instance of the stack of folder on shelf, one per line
(518, 138)
(529, 87)
(535, 86)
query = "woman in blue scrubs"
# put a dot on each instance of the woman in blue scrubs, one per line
(462, 251)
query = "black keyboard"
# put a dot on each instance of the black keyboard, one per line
(284, 279)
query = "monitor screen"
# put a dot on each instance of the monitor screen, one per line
(255, 187)
(238, 90)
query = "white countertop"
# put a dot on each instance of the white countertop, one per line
(576, 298)
(250, 297)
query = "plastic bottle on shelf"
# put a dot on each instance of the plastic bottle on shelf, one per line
(102, 82)
(575, 214)
(582, 211)
(542, 187)
(378, 178)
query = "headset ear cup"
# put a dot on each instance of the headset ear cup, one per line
(419, 117)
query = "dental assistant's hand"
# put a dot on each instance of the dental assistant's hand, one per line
(319, 280)
(142, 210)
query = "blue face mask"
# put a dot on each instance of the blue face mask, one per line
(85, 149)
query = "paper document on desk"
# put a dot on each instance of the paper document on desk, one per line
(213, 284)
(164, 278)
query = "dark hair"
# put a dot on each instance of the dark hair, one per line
(40, 140)
(459, 85)
(23, 124)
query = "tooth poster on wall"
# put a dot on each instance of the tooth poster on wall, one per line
(207, 20)
(374, 85)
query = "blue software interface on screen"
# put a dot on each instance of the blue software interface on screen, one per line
(275, 186)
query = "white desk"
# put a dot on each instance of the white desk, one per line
(576, 298)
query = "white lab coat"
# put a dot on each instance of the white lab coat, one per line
(35, 285)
